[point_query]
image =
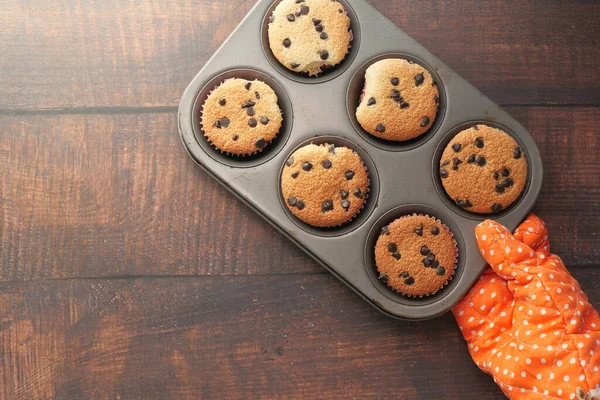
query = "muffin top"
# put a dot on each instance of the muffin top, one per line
(324, 185)
(309, 35)
(483, 169)
(399, 101)
(241, 117)
(415, 255)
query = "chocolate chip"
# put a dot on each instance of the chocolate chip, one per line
(419, 78)
(257, 95)
(443, 173)
(316, 21)
(436, 99)
(295, 174)
(324, 54)
(425, 250)
(463, 203)
(345, 204)
(441, 271)
(385, 230)
(435, 230)
(332, 149)
(455, 163)
(299, 1)
(479, 142)
(395, 81)
(456, 147)
(517, 153)
(300, 204)
(326, 164)
(497, 207)
(392, 247)
(343, 194)
(395, 94)
(324, 35)
(304, 10)
(475, 127)
(260, 143)
(222, 102)
(435, 264)
(306, 166)
(264, 120)
(286, 42)
(252, 123)
(445, 163)
(358, 193)
(294, 65)
(292, 201)
(247, 85)
(496, 175)
(481, 161)
(349, 175)
(340, 10)
(235, 137)
(225, 122)
(419, 230)
(404, 274)
(250, 111)
(404, 104)
(430, 257)
(508, 182)
(505, 172)
(427, 262)
(409, 281)
(396, 255)
(298, 13)
(383, 278)
(500, 188)
(380, 128)
(327, 206)
(371, 101)
(290, 161)
(319, 28)
(248, 103)
(472, 159)
(217, 124)
(425, 121)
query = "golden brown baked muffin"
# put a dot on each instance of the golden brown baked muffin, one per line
(324, 185)
(309, 35)
(241, 117)
(415, 255)
(483, 169)
(400, 100)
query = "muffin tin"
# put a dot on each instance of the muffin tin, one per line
(404, 178)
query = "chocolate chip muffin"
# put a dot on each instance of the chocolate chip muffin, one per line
(324, 185)
(309, 35)
(483, 169)
(241, 117)
(416, 255)
(399, 101)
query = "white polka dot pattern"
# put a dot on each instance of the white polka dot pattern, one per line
(539, 327)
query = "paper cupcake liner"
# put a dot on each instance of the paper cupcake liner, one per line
(365, 194)
(214, 146)
(420, 296)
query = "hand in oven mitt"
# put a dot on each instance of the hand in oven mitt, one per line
(527, 321)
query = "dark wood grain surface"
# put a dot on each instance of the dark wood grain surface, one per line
(126, 272)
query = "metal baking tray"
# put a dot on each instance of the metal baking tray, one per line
(403, 175)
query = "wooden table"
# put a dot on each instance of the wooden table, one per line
(126, 272)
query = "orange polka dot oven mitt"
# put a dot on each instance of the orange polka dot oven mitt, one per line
(527, 321)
